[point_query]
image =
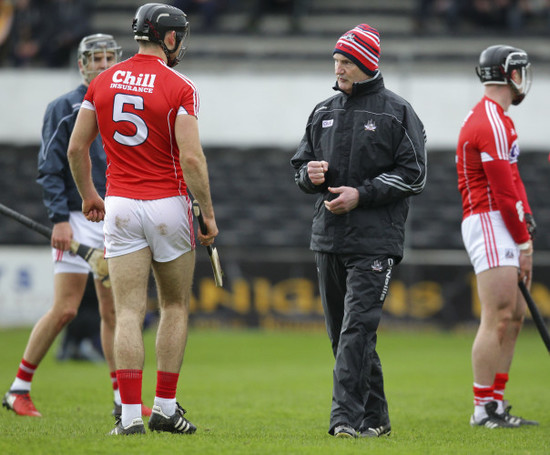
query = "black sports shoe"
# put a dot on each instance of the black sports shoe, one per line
(382, 430)
(493, 420)
(345, 431)
(117, 410)
(515, 420)
(136, 427)
(175, 423)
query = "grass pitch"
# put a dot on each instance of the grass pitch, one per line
(261, 392)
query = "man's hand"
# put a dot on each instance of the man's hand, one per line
(526, 265)
(525, 269)
(347, 200)
(316, 171)
(93, 209)
(212, 232)
(62, 234)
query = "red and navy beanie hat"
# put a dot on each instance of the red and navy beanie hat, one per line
(362, 46)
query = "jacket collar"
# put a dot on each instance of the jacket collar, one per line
(364, 87)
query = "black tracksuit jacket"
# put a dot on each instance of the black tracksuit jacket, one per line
(373, 141)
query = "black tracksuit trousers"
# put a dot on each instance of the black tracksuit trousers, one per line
(353, 289)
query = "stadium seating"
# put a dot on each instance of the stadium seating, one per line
(258, 204)
(404, 41)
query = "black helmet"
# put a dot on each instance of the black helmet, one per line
(92, 44)
(496, 64)
(153, 20)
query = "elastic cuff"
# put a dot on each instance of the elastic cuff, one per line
(59, 219)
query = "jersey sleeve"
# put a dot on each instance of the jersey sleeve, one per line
(501, 180)
(520, 188)
(189, 100)
(89, 96)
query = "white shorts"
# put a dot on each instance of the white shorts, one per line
(84, 231)
(164, 225)
(488, 242)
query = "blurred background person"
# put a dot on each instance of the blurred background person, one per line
(65, 23)
(209, 10)
(6, 20)
(294, 9)
(27, 35)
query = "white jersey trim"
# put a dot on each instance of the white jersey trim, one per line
(87, 105)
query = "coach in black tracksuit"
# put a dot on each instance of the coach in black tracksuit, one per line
(363, 153)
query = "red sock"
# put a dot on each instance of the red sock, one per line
(482, 395)
(113, 380)
(26, 370)
(167, 383)
(129, 383)
(499, 385)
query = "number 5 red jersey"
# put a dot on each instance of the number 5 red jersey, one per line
(136, 104)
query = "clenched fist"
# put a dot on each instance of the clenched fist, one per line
(316, 171)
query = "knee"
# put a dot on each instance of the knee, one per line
(368, 319)
(177, 305)
(65, 316)
(516, 322)
(107, 314)
(505, 322)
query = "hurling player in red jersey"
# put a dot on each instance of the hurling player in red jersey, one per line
(95, 53)
(147, 115)
(497, 227)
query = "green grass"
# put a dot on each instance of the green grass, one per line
(254, 392)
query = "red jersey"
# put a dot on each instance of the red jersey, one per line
(136, 104)
(486, 163)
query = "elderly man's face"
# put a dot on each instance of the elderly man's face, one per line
(347, 73)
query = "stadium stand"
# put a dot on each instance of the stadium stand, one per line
(409, 34)
(258, 204)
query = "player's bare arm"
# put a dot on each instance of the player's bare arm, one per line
(84, 133)
(195, 172)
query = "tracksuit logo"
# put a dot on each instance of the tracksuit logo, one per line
(387, 280)
(370, 126)
(377, 266)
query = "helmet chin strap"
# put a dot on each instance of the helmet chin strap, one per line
(517, 95)
(171, 62)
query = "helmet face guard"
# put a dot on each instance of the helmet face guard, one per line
(92, 45)
(496, 65)
(183, 38)
(522, 88)
(154, 20)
